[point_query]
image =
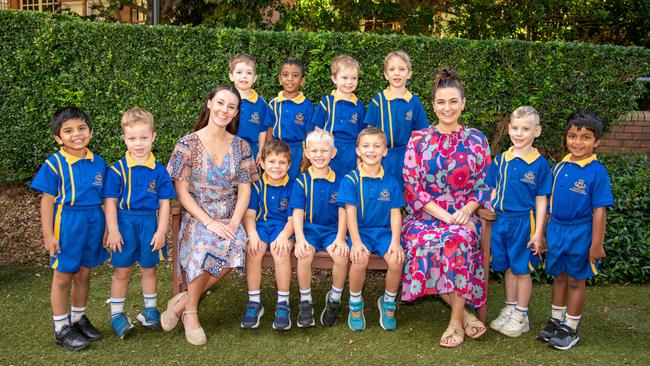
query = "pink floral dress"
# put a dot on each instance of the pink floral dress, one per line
(214, 187)
(449, 170)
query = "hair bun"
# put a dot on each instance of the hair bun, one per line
(446, 73)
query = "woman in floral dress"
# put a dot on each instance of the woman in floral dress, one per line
(443, 172)
(212, 170)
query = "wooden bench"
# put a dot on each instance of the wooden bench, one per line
(323, 261)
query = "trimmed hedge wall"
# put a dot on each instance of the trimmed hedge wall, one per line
(50, 60)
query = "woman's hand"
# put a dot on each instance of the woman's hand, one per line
(460, 217)
(222, 230)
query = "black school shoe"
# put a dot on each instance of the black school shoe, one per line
(70, 339)
(564, 338)
(547, 333)
(86, 329)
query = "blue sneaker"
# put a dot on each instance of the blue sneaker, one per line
(121, 325)
(150, 318)
(282, 319)
(356, 320)
(254, 312)
(386, 314)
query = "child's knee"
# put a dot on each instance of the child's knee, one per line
(123, 273)
(575, 284)
(61, 280)
(82, 275)
(340, 260)
(394, 265)
(148, 272)
(361, 264)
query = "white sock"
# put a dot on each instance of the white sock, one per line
(76, 313)
(511, 305)
(305, 295)
(390, 296)
(336, 293)
(355, 296)
(117, 305)
(283, 296)
(520, 312)
(60, 321)
(255, 296)
(150, 300)
(558, 312)
(572, 321)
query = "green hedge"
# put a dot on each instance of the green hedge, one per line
(47, 61)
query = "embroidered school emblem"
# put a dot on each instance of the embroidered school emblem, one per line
(151, 188)
(409, 115)
(355, 118)
(579, 186)
(300, 119)
(284, 203)
(98, 179)
(255, 118)
(529, 177)
(333, 197)
(384, 195)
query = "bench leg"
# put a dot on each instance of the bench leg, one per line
(486, 232)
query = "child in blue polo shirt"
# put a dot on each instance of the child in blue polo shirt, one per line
(319, 225)
(253, 110)
(342, 114)
(575, 234)
(291, 112)
(521, 180)
(396, 111)
(372, 201)
(72, 221)
(268, 225)
(137, 193)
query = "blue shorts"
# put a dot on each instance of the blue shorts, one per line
(296, 159)
(376, 239)
(319, 236)
(345, 160)
(81, 232)
(568, 249)
(137, 229)
(508, 243)
(269, 230)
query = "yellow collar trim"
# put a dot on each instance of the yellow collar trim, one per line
(582, 162)
(131, 162)
(353, 99)
(297, 99)
(389, 96)
(71, 159)
(253, 97)
(364, 174)
(282, 183)
(330, 177)
(529, 159)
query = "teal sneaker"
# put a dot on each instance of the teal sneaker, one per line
(150, 318)
(356, 320)
(386, 314)
(121, 325)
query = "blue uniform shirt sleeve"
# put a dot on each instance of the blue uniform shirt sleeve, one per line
(397, 197)
(361, 109)
(419, 115)
(309, 115)
(320, 114)
(46, 180)
(491, 177)
(297, 199)
(372, 114)
(545, 185)
(269, 116)
(113, 184)
(601, 194)
(165, 186)
(347, 192)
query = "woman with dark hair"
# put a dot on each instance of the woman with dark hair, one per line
(444, 169)
(212, 170)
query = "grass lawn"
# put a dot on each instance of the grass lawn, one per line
(615, 329)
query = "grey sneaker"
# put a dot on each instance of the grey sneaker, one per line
(305, 315)
(331, 311)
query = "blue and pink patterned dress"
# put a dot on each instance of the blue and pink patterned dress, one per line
(214, 187)
(449, 170)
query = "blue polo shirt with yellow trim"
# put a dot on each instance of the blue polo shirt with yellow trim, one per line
(252, 113)
(374, 197)
(396, 116)
(343, 118)
(317, 196)
(271, 202)
(290, 118)
(518, 181)
(138, 186)
(578, 188)
(71, 180)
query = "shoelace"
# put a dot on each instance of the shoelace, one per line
(282, 313)
(250, 312)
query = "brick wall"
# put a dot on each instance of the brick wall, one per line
(631, 135)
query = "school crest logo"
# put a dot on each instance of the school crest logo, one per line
(409, 115)
(284, 203)
(355, 118)
(579, 186)
(333, 197)
(384, 195)
(529, 177)
(255, 118)
(151, 188)
(300, 119)
(98, 179)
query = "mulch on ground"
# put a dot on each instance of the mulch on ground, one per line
(20, 227)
